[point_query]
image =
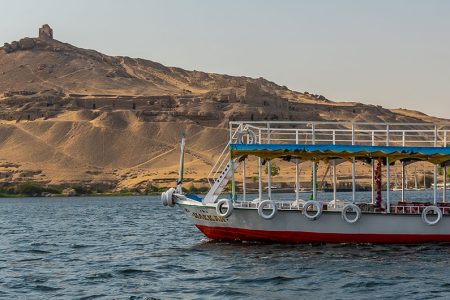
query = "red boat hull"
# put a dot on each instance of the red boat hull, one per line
(239, 234)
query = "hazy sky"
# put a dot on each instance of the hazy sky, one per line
(391, 53)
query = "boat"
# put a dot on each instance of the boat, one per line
(224, 215)
(440, 186)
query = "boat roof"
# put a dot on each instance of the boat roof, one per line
(437, 155)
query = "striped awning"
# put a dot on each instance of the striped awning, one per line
(437, 155)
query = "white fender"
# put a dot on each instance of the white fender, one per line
(229, 206)
(436, 210)
(164, 198)
(351, 208)
(272, 207)
(170, 198)
(314, 204)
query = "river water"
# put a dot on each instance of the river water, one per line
(134, 248)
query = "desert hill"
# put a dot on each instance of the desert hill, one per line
(70, 115)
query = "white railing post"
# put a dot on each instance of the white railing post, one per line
(313, 133)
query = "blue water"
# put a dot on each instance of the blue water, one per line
(133, 248)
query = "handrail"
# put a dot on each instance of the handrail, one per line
(357, 133)
(341, 123)
(219, 164)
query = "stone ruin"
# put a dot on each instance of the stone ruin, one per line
(46, 32)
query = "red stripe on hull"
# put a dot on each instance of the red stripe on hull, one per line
(298, 237)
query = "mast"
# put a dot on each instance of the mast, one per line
(181, 169)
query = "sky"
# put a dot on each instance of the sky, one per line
(393, 53)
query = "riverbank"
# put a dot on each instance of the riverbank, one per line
(40, 189)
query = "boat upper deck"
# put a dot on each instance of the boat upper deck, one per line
(340, 133)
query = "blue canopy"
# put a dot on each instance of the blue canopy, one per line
(326, 151)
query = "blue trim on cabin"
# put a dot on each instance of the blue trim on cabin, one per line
(351, 149)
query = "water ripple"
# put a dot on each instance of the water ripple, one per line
(133, 248)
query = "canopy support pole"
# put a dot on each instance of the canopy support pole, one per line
(297, 184)
(259, 180)
(388, 175)
(233, 183)
(403, 182)
(269, 169)
(388, 186)
(314, 166)
(297, 176)
(334, 182)
(314, 181)
(259, 172)
(353, 167)
(243, 182)
(334, 171)
(373, 182)
(444, 191)
(373, 170)
(269, 181)
(353, 180)
(435, 171)
(435, 168)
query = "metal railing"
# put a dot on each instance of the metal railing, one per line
(222, 160)
(293, 205)
(283, 205)
(415, 209)
(345, 133)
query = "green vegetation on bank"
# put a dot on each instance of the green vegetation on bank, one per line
(40, 189)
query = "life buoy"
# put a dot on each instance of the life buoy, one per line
(351, 208)
(251, 137)
(229, 208)
(271, 205)
(170, 198)
(428, 209)
(313, 204)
